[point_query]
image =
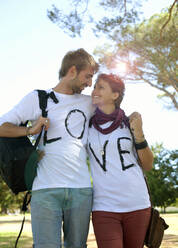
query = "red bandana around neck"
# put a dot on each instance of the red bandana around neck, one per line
(118, 118)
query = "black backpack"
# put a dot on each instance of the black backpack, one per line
(19, 158)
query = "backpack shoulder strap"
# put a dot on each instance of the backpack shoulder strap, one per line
(43, 99)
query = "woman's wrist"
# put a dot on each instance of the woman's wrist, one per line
(141, 145)
(138, 137)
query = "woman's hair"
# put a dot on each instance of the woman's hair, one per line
(80, 59)
(116, 84)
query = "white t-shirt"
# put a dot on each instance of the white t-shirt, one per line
(64, 162)
(118, 184)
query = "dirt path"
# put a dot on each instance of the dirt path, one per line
(13, 223)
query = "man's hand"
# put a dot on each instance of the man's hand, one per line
(37, 127)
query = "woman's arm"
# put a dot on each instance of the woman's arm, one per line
(146, 158)
(144, 152)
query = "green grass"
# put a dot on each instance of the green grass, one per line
(9, 232)
(7, 240)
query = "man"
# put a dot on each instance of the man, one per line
(61, 192)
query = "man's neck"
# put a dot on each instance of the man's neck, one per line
(63, 88)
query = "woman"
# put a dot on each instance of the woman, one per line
(121, 205)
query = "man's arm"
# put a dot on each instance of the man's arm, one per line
(10, 130)
(26, 109)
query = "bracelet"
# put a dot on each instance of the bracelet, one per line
(28, 131)
(141, 145)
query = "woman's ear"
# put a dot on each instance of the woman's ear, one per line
(115, 95)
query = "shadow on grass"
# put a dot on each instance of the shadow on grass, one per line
(8, 239)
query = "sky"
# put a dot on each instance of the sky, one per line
(31, 50)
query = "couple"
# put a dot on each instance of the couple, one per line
(62, 195)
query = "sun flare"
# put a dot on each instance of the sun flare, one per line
(121, 67)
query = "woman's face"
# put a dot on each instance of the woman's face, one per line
(102, 94)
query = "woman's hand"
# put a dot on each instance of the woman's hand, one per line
(135, 120)
(145, 155)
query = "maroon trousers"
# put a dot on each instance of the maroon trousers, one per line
(121, 230)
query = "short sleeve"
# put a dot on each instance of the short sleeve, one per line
(26, 109)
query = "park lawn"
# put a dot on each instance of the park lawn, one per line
(171, 234)
(10, 227)
(7, 240)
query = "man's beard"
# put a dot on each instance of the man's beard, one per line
(76, 90)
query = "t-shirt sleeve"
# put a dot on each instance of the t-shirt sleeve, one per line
(26, 109)
(91, 107)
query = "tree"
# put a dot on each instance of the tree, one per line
(163, 178)
(149, 58)
(8, 201)
(152, 43)
(110, 15)
(82, 13)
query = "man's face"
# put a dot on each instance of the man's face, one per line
(82, 80)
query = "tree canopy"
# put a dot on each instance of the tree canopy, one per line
(149, 49)
(76, 15)
(163, 178)
(149, 57)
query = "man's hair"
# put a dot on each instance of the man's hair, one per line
(116, 84)
(80, 59)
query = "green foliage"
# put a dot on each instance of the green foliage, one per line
(150, 56)
(7, 240)
(75, 15)
(163, 178)
(149, 48)
(8, 201)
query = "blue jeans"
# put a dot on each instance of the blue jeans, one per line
(52, 207)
